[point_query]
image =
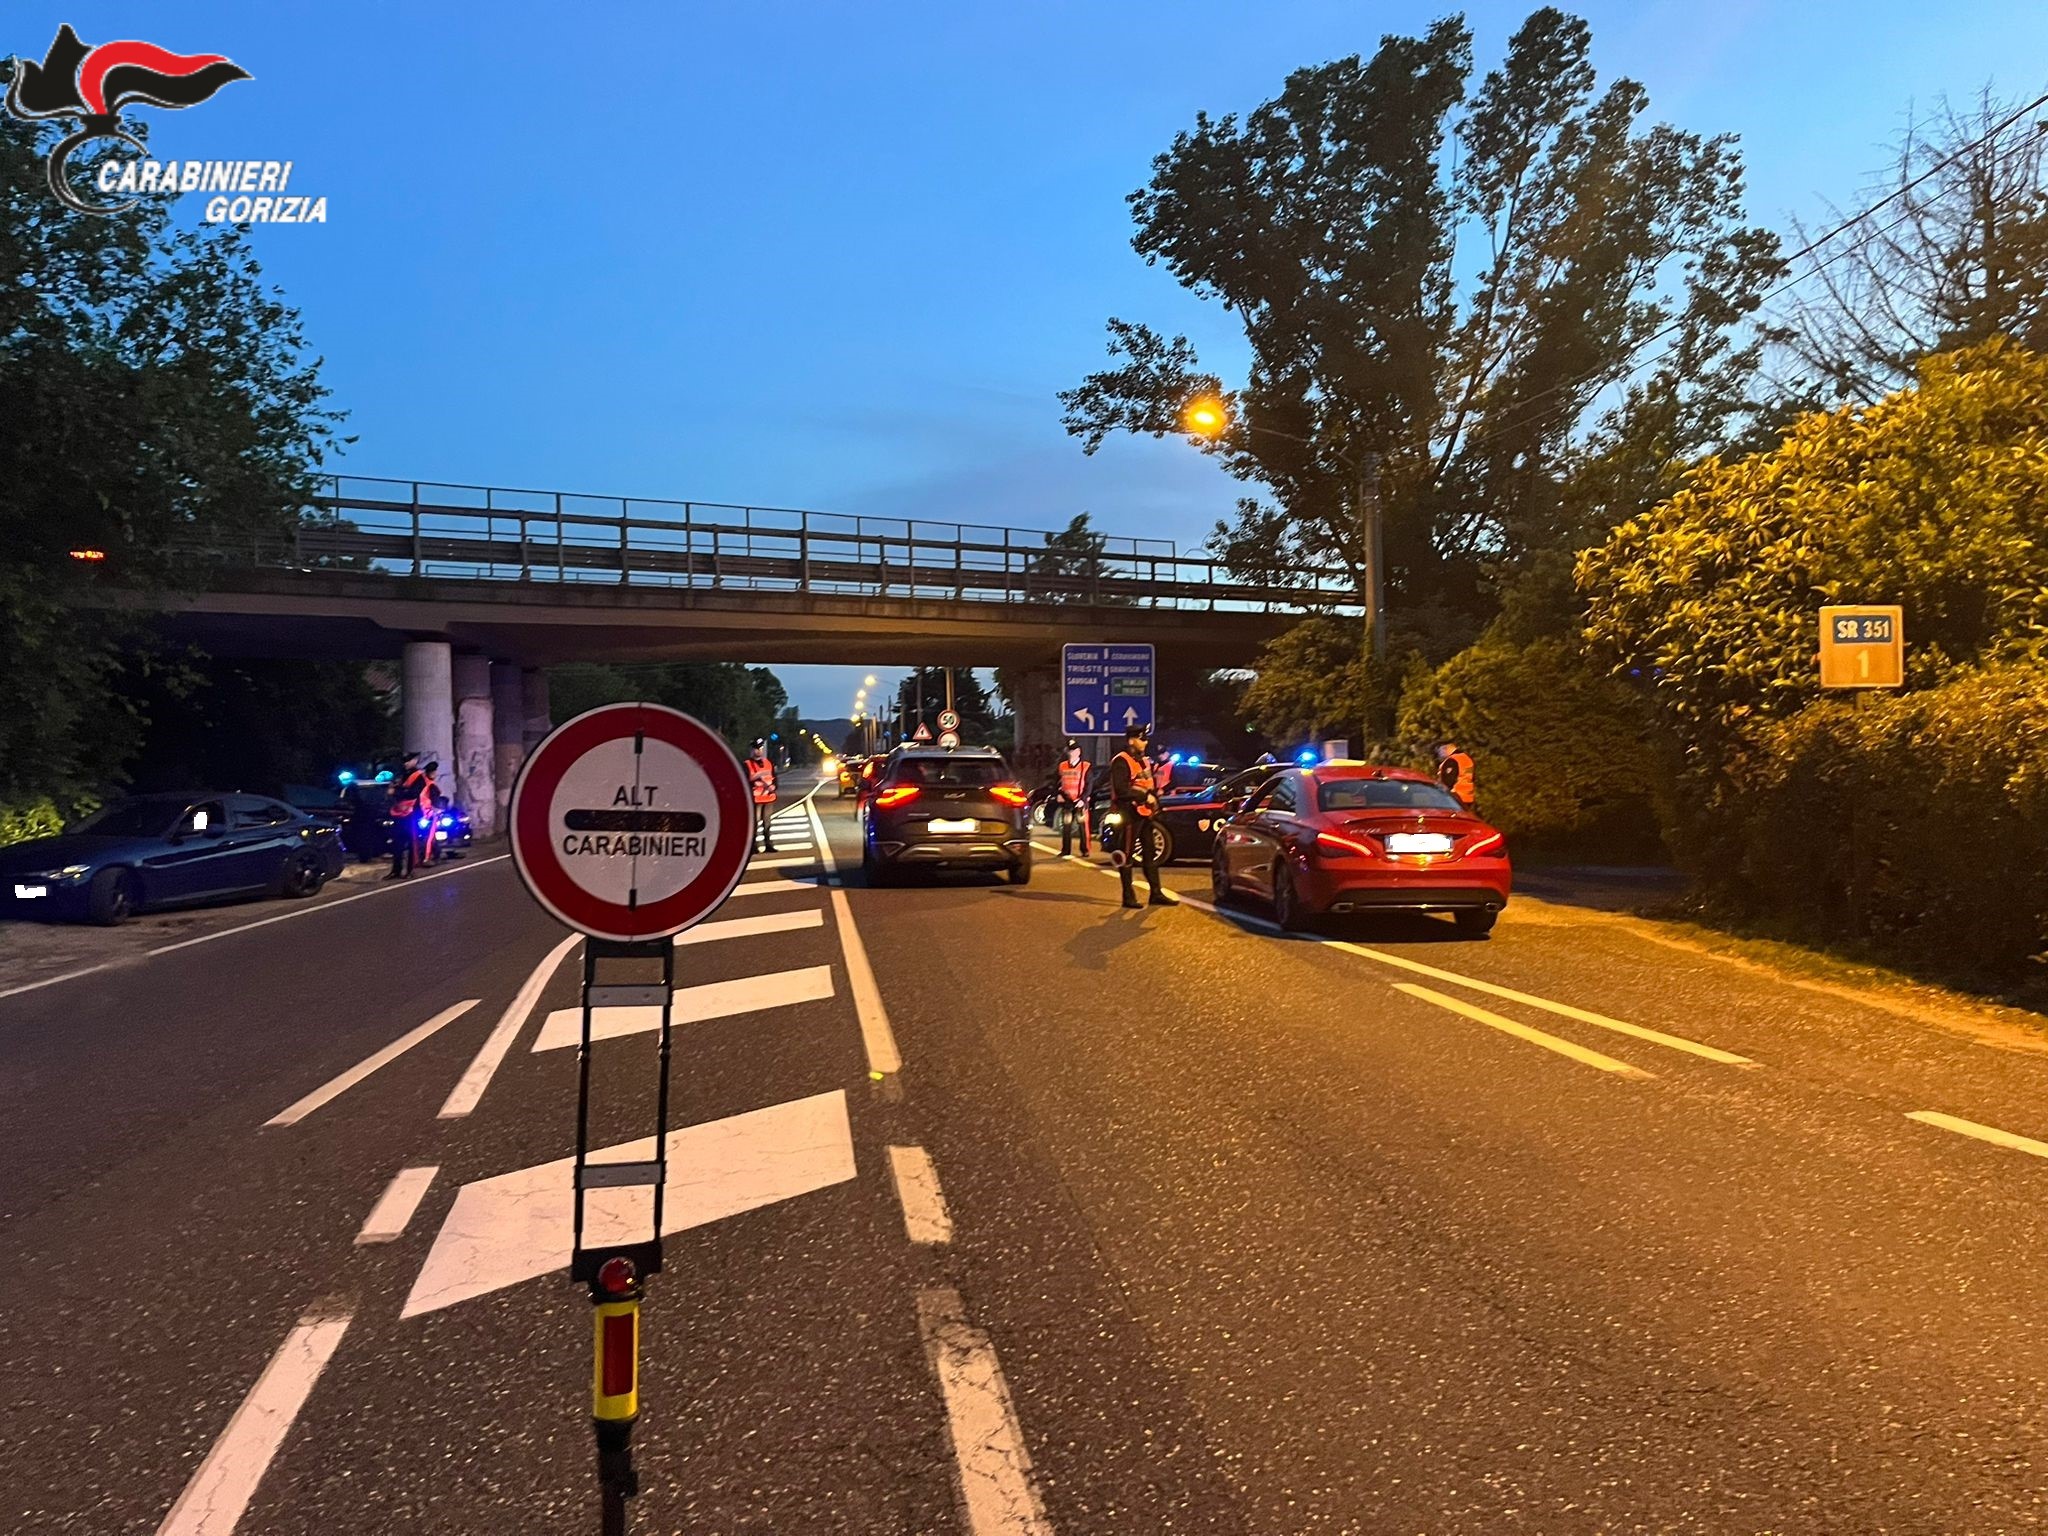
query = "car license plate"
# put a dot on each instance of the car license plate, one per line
(1418, 842)
(30, 892)
(940, 824)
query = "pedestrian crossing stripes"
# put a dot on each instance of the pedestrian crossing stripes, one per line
(691, 1005)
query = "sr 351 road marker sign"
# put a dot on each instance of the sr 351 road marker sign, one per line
(631, 822)
(1863, 646)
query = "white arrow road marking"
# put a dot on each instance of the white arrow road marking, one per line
(748, 927)
(220, 1490)
(691, 1005)
(516, 1226)
(773, 887)
(293, 1114)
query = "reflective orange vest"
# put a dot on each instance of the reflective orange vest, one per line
(1457, 776)
(1141, 782)
(761, 775)
(406, 798)
(1073, 779)
(1162, 775)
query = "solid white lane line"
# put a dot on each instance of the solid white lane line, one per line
(774, 886)
(1563, 1047)
(875, 1033)
(691, 1005)
(997, 1495)
(1990, 1133)
(394, 1208)
(925, 1217)
(207, 938)
(469, 1088)
(219, 1492)
(335, 1088)
(748, 927)
(328, 906)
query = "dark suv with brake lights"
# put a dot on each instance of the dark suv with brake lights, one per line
(938, 808)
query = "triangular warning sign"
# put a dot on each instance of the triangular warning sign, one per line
(922, 733)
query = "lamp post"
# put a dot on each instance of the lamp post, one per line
(1210, 418)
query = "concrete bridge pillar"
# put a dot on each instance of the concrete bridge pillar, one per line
(1039, 732)
(475, 743)
(427, 701)
(508, 733)
(533, 688)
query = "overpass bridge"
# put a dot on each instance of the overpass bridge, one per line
(476, 589)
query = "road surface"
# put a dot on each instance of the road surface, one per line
(1004, 1210)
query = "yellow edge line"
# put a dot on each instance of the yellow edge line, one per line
(1577, 1053)
(1990, 1133)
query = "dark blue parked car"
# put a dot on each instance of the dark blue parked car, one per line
(169, 851)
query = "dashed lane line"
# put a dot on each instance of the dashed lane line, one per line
(1989, 1133)
(1672, 1042)
(334, 1088)
(469, 1088)
(876, 1035)
(1549, 1042)
(218, 1494)
(925, 1217)
(394, 1209)
(997, 1494)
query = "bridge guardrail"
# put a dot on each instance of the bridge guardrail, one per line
(570, 539)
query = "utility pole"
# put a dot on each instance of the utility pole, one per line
(949, 690)
(920, 695)
(1375, 574)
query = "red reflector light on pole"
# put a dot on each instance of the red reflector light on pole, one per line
(619, 1351)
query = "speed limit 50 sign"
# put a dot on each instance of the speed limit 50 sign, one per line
(631, 822)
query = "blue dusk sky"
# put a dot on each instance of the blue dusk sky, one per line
(842, 256)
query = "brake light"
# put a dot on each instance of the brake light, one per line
(896, 794)
(1010, 794)
(1344, 847)
(1493, 841)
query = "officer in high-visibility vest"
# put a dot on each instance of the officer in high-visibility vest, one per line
(1454, 772)
(1074, 775)
(1133, 798)
(761, 780)
(403, 810)
(1162, 770)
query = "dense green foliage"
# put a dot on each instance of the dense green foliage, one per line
(1918, 822)
(259, 724)
(1563, 755)
(151, 388)
(741, 703)
(1936, 497)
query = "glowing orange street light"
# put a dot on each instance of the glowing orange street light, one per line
(1206, 417)
(88, 554)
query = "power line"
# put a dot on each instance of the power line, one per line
(1782, 284)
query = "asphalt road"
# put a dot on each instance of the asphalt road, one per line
(1005, 1210)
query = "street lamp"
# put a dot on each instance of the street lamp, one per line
(1209, 417)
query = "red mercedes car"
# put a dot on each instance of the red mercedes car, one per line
(1351, 837)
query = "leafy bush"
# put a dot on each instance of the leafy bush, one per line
(19, 823)
(1561, 754)
(1918, 822)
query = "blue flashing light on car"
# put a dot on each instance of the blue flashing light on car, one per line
(346, 777)
(1305, 756)
(386, 776)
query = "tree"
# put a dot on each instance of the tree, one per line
(1072, 567)
(742, 703)
(1930, 498)
(980, 719)
(153, 389)
(1958, 254)
(1327, 221)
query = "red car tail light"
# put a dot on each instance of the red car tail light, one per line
(1493, 842)
(1010, 794)
(1336, 844)
(896, 794)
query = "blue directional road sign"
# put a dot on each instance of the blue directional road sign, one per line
(1105, 688)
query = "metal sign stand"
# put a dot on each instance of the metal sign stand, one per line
(615, 1273)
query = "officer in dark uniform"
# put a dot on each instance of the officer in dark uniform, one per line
(1133, 798)
(403, 807)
